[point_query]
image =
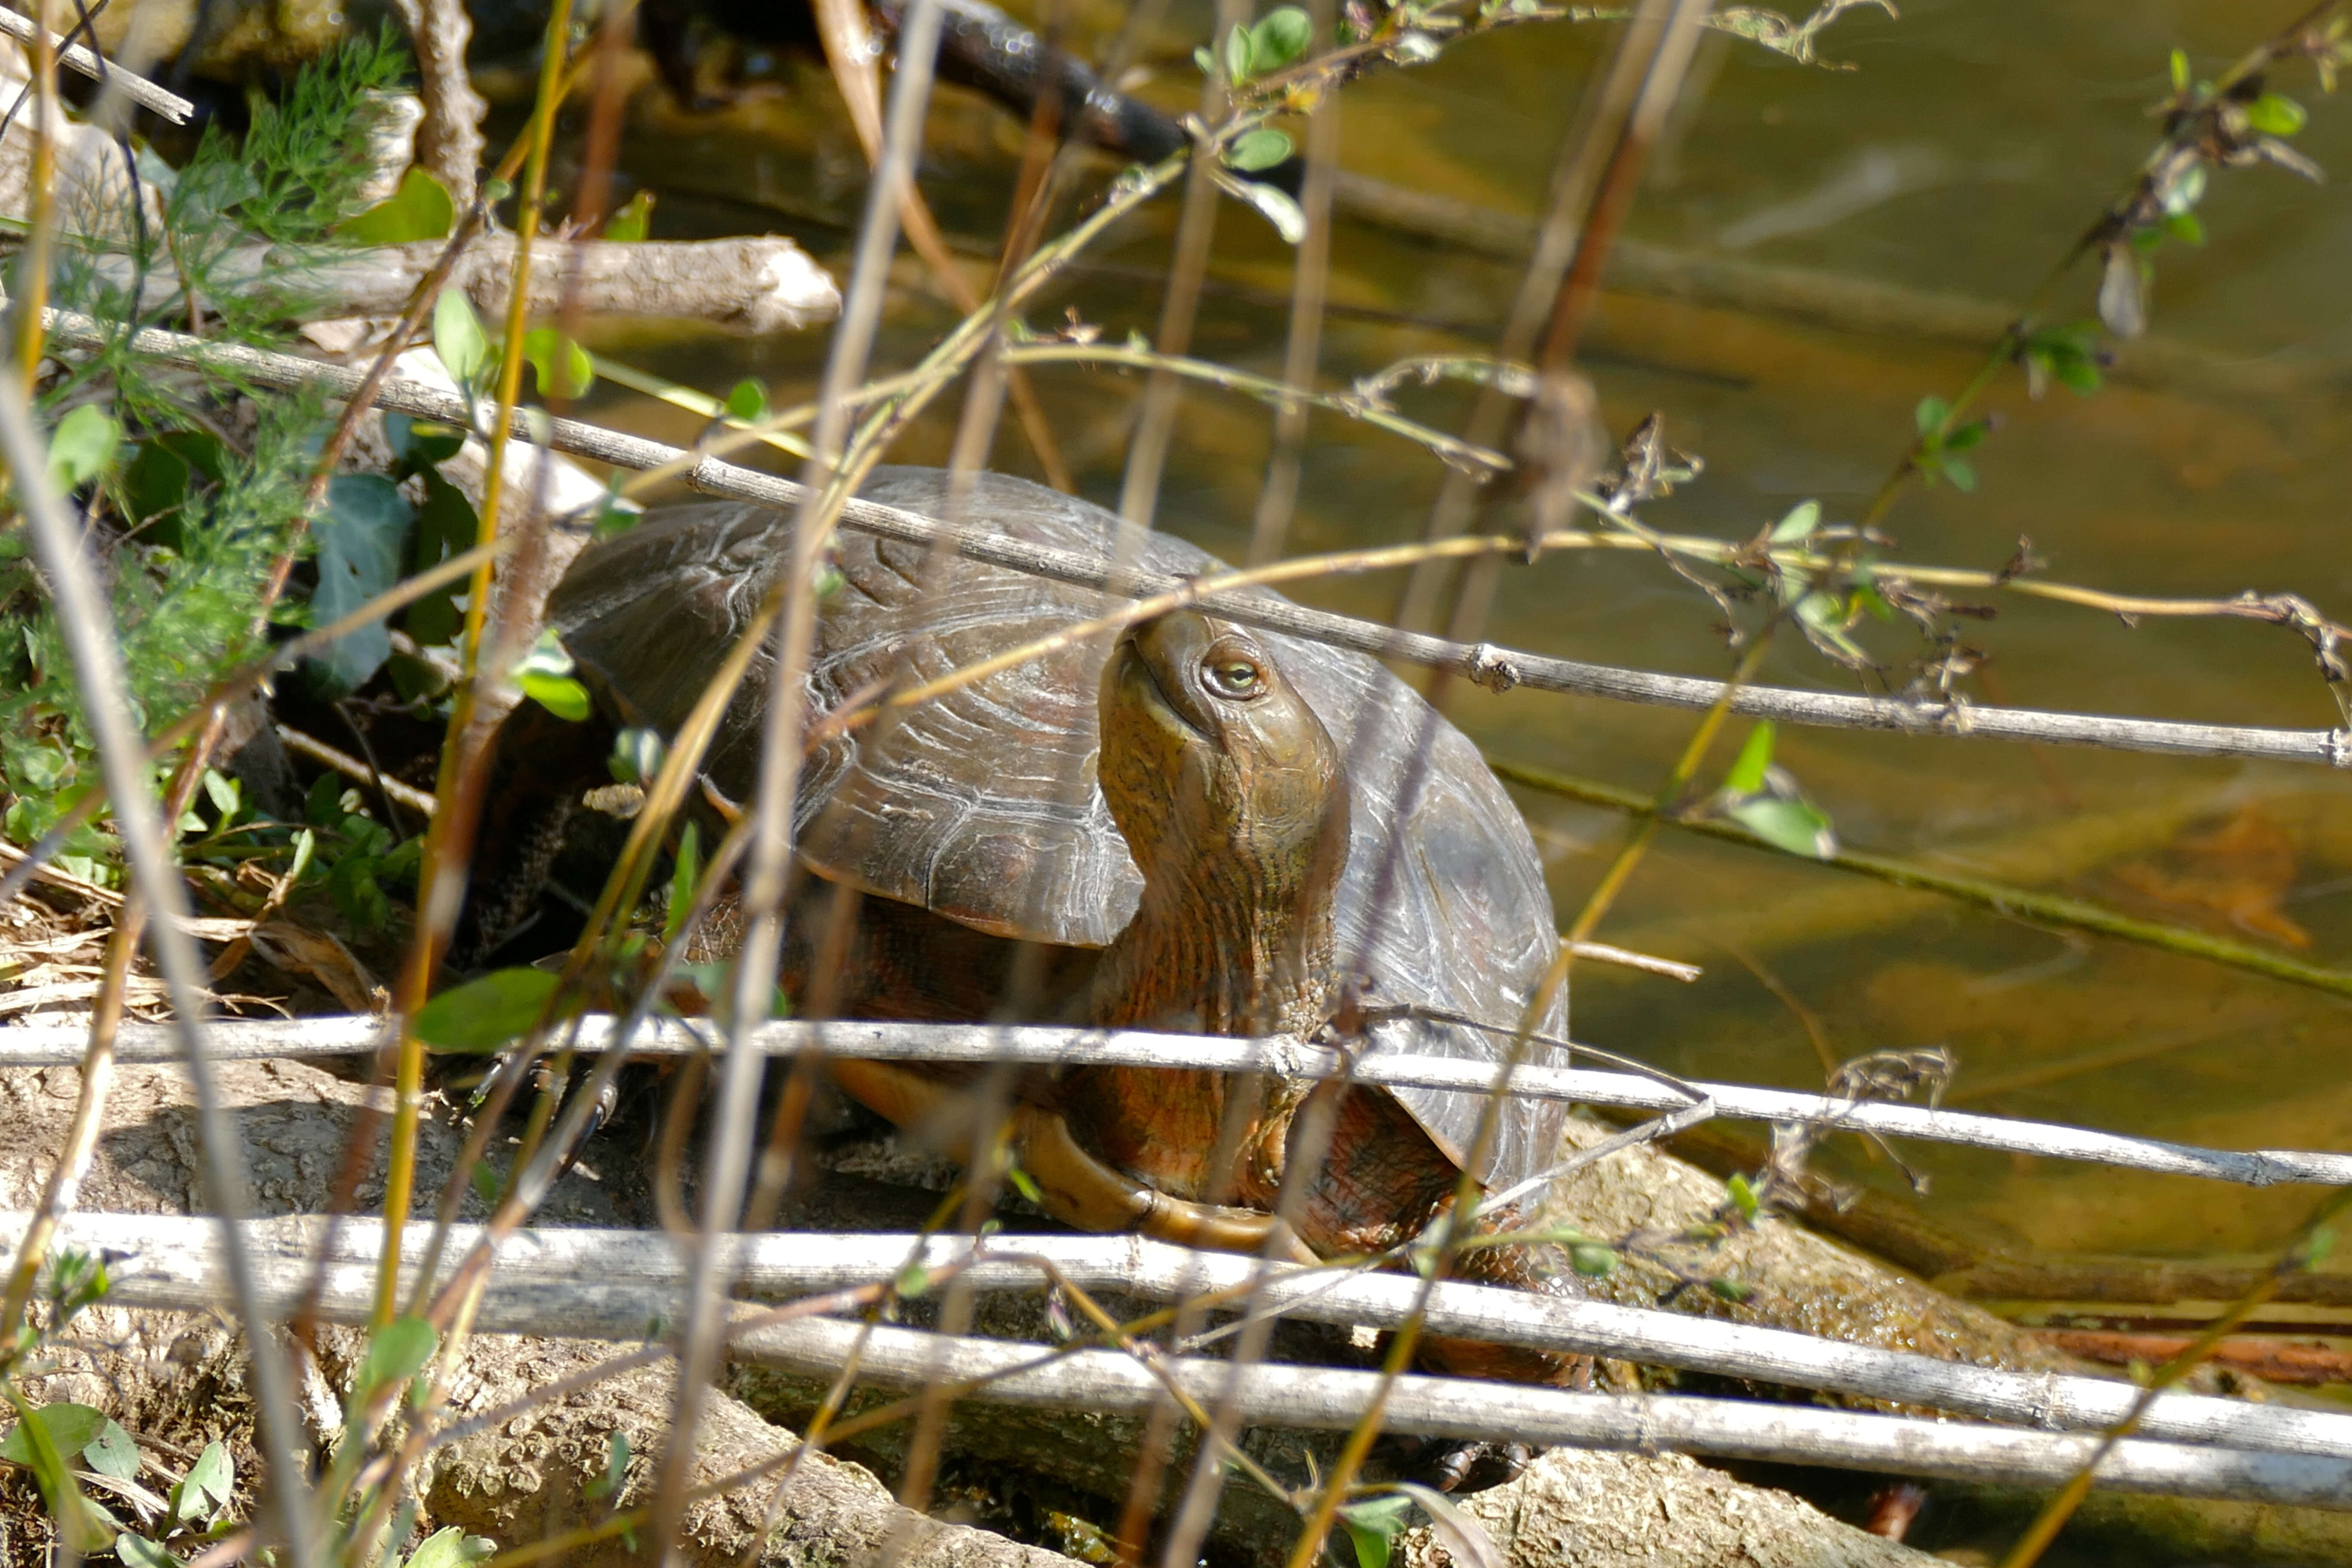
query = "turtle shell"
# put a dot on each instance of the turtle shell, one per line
(982, 805)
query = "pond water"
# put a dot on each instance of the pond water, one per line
(1962, 154)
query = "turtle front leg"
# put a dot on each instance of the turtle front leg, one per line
(1075, 1187)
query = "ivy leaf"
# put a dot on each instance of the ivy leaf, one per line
(361, 532)
(1259, 149)
(633, 222)
(485, 1014)
(419, 209)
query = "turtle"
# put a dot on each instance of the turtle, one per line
(1202, 827)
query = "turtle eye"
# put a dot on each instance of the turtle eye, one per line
(1234, 677)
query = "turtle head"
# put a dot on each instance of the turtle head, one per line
(1232, 799)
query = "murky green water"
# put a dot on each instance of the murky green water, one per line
(1965, 152)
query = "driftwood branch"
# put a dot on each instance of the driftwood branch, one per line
(755, 285)
(33, 1044)
(1483, 663)
(73, 57)
(591, 1283)
(1503, 1412)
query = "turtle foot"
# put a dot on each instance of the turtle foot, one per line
(1454, 1465)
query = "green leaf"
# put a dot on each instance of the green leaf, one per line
(633, 222)
(1237, 56)
(1743, 1197)
(1593, 1259)
(222, 791)
(446, 525)
(1798, 826)
(39, 1441)
(66, 1428)
(419, 444)
(559, 694)
(1374, 1525)
(1803, 518)
(1730, 1289)
(457, 337)
(1967, 435)
(561, 365)
(1205, 60)
(2180, 70)
(1930, 414)
(2078, 374)
(213, 1474)
(1962, 472)
(2275, 114)
(1279, 38)
(1259, 149)
(748, 401)
(419, 209)
(485, 1014)
(361, 532)
(1024, 1184)
(113, 1453)
(1747, 775)
(138, 1552)
(83, 443)
(913, 1280)
(396, 1353)
(451, 1547)
(2186, 227)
